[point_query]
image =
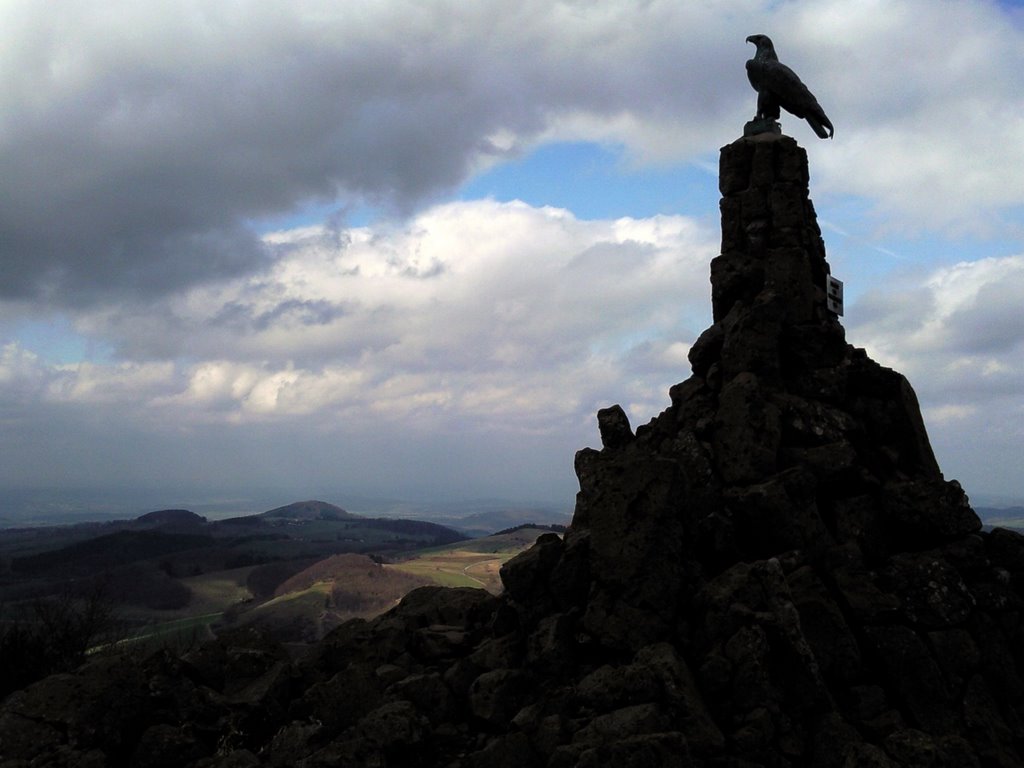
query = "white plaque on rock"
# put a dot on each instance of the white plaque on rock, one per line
(834, 292)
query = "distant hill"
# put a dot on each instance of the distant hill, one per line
(560, 529)
(486, 522)
(300, 602)
(140, 560)
(171, 516)
(352, 573)
(1001, 517)
(310, 510)
(441, 534)
(315, 600)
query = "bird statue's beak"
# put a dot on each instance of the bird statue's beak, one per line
(751, 39)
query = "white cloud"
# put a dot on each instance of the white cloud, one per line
(969, 309)
(946, 414)
(126, 384)
(21, 372)
(472, 318)
(957, 336)
(929, 106)
(468, 287)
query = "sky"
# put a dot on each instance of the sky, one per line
(408, 249)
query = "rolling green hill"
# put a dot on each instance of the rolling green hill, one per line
(152, 568)
(306, 603)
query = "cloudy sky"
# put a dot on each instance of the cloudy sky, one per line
(408, 248)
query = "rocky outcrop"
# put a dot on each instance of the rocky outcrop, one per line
(772, 572)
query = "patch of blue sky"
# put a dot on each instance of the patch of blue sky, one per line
(316, 213)
(865, 257)
(595, 181)
(56, 342)
(855, 254)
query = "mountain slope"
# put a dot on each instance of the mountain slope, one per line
(309, 510)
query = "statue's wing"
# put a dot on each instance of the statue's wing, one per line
(790, 91)
(793, 95)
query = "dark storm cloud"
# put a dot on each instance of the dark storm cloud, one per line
(143, 186)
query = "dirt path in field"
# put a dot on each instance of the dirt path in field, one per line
(491, 567)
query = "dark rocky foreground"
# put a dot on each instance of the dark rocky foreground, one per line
(773, 572)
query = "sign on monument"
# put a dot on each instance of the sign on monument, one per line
(834, 293)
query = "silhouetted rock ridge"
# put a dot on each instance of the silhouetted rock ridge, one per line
(772, 572)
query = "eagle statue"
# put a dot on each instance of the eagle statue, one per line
(778, 86)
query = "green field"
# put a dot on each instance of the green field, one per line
(342, 587)
(457, 569)
(212, 594)
(474, 563)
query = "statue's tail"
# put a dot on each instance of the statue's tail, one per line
(821, 125)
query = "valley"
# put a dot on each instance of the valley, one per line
(174, 579)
